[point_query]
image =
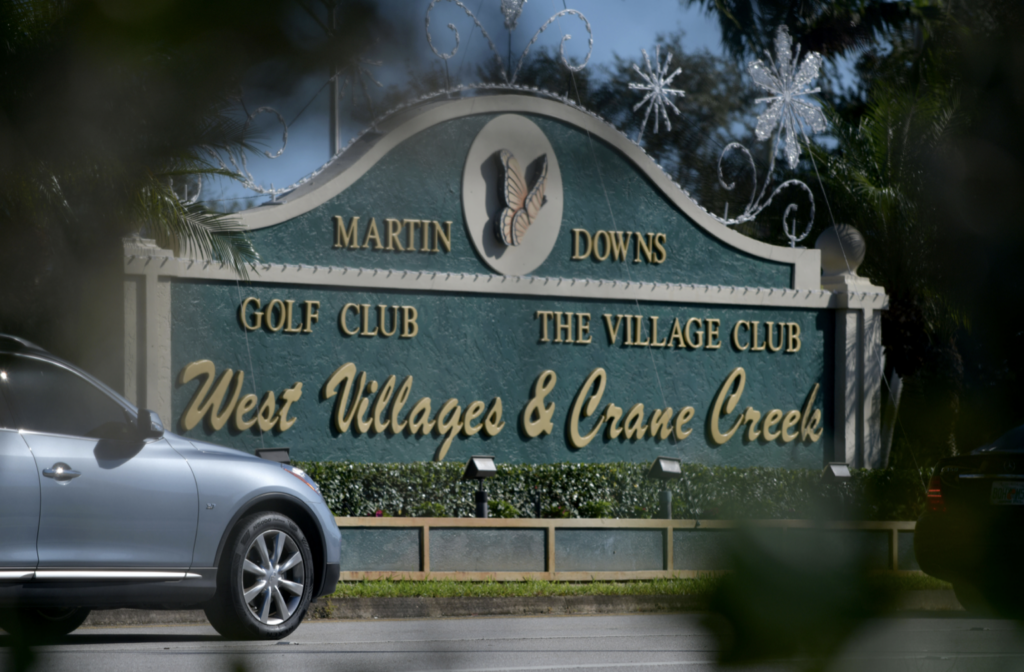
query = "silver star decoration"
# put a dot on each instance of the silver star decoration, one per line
(788, 82)
(659, 96)
(511, 9)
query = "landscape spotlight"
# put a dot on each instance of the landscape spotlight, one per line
(665, 469)
(833, 477)
(836, 471)
(282, 455)
(480, 467)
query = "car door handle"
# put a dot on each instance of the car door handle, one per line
(61, 472)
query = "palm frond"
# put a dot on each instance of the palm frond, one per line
(194, 232)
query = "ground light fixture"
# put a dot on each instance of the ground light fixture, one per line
(282, 455)
(478, 468)
(665, 469)
(835, 472)
(833, 477)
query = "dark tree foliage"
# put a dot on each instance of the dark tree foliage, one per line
(977, 187)
(928, 166)
(830, 28)
(876, 34)
(104, 110)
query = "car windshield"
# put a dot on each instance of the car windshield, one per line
(1011, 442)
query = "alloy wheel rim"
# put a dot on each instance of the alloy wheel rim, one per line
(272, 577)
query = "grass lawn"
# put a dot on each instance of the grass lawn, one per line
(704, 585)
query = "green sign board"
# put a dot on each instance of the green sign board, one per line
(499, 275)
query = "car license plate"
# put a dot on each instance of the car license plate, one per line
(1007, 493)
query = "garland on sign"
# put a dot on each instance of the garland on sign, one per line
(788, 112)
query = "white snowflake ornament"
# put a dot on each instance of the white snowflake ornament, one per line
(788, 82)
(659, 96)
(511, 9)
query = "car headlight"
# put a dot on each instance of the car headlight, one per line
(302, 476)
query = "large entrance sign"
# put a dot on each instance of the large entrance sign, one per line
(507, 275)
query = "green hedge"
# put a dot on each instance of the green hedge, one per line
(616, 490)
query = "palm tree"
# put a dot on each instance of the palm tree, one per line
(877, 179)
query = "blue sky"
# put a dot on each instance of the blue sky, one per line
(619, 27)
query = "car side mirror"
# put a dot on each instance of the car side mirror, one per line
(149, 425)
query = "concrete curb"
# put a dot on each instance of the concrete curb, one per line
(367, 608)
(447, 607)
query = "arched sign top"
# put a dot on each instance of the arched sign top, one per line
(595, 215)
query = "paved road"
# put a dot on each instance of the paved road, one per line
(649, 643)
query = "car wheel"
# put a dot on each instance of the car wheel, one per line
(41, 625)
(265, 581)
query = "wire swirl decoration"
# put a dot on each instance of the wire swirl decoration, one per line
(508, 75)
(357, 71)
(759, 201)
(788, 80)
(461, 89)
(240, 165)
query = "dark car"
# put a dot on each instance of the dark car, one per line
(972, 533)
(102, 508)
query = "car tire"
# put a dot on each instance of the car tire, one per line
(991, 599)
(42, 625)
(973, 600)
(265, 581)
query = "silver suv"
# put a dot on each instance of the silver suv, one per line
(100, 507)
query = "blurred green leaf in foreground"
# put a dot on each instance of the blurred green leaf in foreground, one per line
(108, 108)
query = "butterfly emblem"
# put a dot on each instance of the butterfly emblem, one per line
(521, 203)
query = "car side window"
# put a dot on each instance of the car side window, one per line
(49, 398)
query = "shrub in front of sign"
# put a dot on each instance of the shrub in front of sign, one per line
(428, 510)
(601, 508)
(616, 490)
(499, 508)
(556, 511)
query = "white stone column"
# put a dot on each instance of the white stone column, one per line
(858, 353)
(147, 321)
(872, 387)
